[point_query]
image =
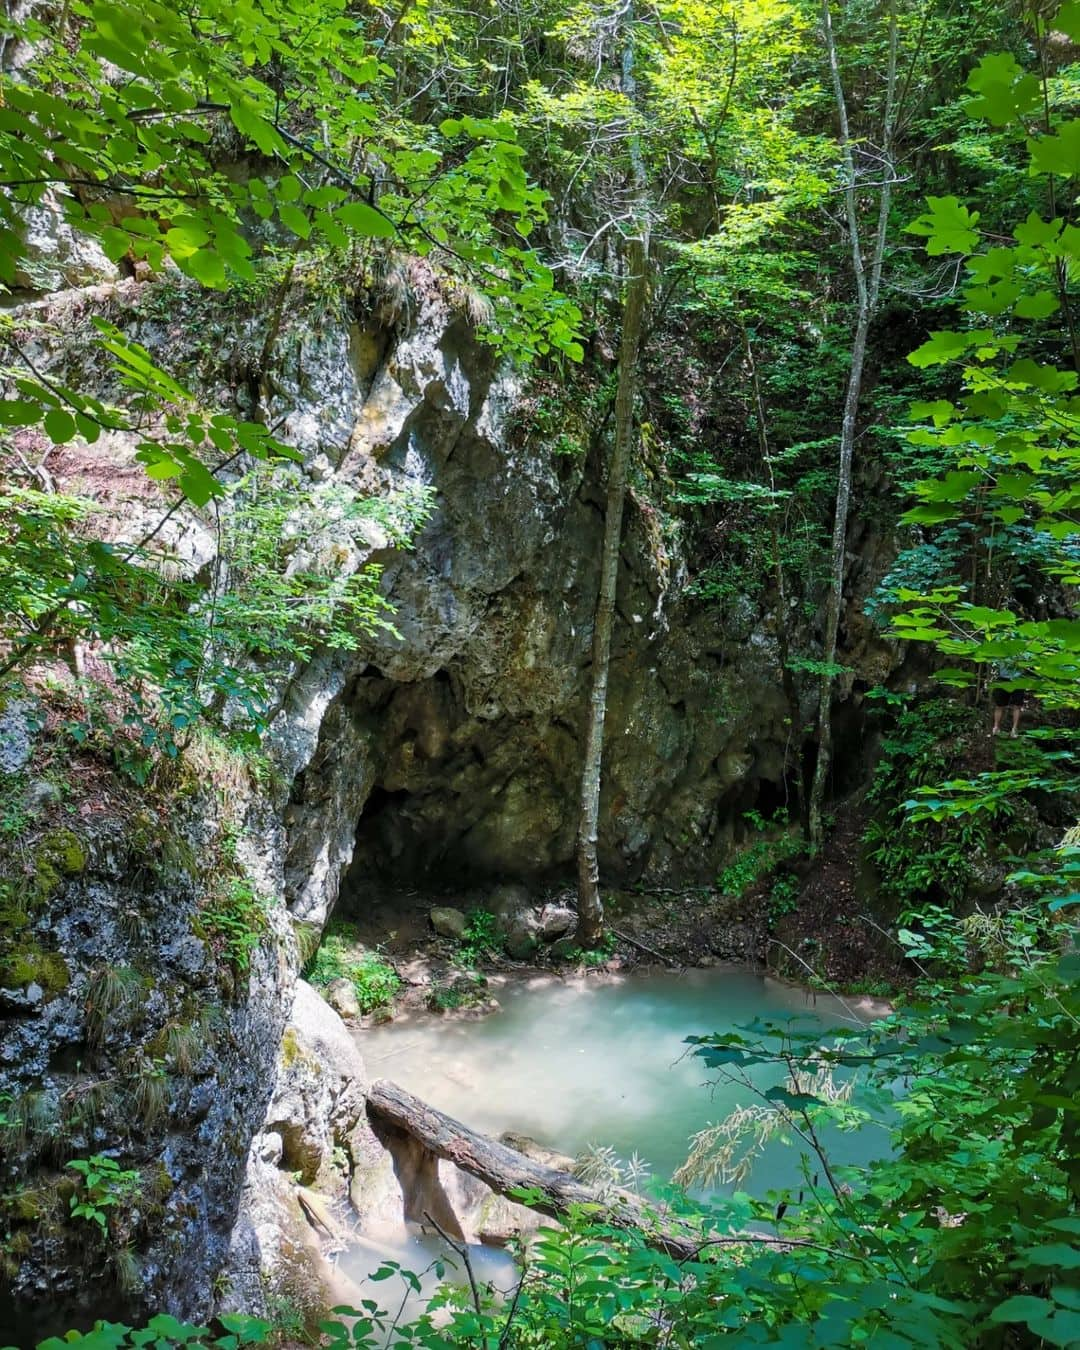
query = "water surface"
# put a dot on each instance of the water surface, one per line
(603, 1062)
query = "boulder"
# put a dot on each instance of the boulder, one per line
(448, 923)
(318, 1101)
(315, 1134)
(341, 995)
(522, 937)
(555, 921)
(56, 255)
(516, 920)
(522, 926)
(505, 902)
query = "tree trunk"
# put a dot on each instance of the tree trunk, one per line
(590, 908)
(868, 287)
(417, 1135)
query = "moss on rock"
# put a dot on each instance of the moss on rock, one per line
(65, 850)
(32, 965)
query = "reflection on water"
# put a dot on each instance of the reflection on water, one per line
(581, 1062)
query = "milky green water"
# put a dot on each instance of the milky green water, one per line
(603, 1062)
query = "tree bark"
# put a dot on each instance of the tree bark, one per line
(590, 907)
(418, 1134)
(868, 287)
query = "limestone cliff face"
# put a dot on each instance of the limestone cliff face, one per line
(455, 748)
(131, 1031)
(448, 749)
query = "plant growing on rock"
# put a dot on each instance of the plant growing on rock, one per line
(234, 921)
(103, 1185)
(761, 856)
(113, 996)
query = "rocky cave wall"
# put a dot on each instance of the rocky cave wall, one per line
(453, 752)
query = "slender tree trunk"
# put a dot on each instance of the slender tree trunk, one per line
(868, 287)
(590, 908)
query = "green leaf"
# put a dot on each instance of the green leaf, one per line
(1038, 306)
(294, 218)
(255, 127)
(929, 514)
(365, 220)
(953, 486)
(1004, 92)
(184, 239)
(164, 468)
(206, 266)
(942, 346)
(115, 243)
(15, 412)
(1062, 1329)
(1054, 1255)
(948, 225)
(1036, 232)
(330, 230)
(941, 410)
(1058, 154)
(198, 484)
(1021, 1308)
(59, 426)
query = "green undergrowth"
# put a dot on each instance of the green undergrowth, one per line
(592, 956)
(918, 860)
(481, 940)
(341, 956)
(234, 921)
(771, 844)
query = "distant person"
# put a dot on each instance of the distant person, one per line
(1007, 698)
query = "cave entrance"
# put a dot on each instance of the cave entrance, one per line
(410, 841)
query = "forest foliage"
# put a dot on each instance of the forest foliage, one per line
(250, 145)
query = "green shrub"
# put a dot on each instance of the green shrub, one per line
(165, 1332)
(920, 860)
(759, 858)
(464, 991)
(480, 941)
(340, 956)
(783, 898)
(593, 956)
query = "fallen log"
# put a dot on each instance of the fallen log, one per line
(404, 1122)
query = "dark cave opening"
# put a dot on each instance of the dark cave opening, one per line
(390, 839)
